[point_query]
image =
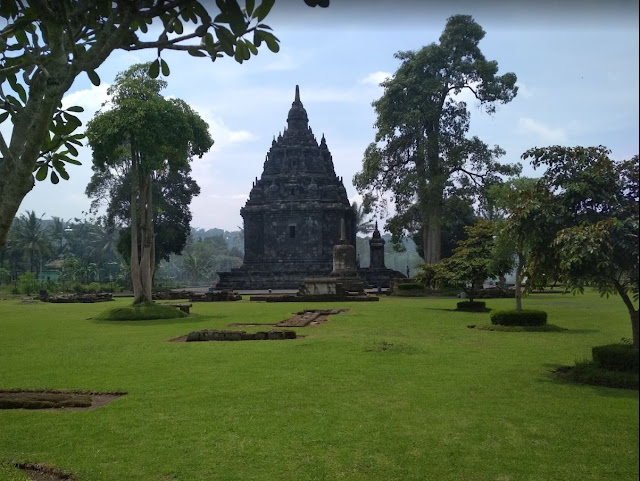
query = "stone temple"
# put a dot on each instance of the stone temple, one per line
(292, 219)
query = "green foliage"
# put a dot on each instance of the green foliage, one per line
(472, 261)
(472, 306)
(410, 286)
(524, 317)
(141, 312)
(616, 357)
(44, 48)
(591, 210)
(428, 275)
(31, 237)
(28, 283)
(422, 154)
(144, 144)
(5, 276)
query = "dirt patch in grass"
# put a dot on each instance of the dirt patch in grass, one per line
(308, 317)
(54, 399)
(44, 472)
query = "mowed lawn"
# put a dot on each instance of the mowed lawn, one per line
(400, 389)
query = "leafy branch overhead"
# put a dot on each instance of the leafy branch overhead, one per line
(45, 45)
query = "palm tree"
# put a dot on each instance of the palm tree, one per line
(57, 233)
(363, 226)
(32, 236)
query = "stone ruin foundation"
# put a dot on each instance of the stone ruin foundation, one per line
(222, 335)
(77, 298)
(220, 296)
(55, 399)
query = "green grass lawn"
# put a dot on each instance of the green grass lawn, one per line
(400, 389)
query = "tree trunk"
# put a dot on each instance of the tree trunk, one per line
(518, 286)
(633, 313)
(146, 240)
(431, 239)
(135, 260)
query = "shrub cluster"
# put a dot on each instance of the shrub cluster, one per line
(616, 357)
(525, 317)
(410, 286)
(474, 306)
(142, 312)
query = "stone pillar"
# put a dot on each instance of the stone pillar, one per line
(344, 256)
(376, 250)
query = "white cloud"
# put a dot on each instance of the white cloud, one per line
(222, 134)
(545, 133)
(524, 90)
(90, 99)
(281, 62)
(376, 78)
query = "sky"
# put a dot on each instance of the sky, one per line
(576, 63)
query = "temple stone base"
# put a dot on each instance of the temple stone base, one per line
(272, 276)
(318, 286)
(247, 278)
(379, 277)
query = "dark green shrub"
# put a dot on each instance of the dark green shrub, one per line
(28, 283)
(616, 357)
(142, 312)
(525, 317)
(474, 306)
(410, 286)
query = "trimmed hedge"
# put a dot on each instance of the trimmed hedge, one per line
(410, 286)
(474, 306)
(525, 317)
(616, 357)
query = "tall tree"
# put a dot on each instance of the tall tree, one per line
(144, 134)
(46, 44)
(57, 233)
(421, 152)
(172, 191)
(526, 211)
(593, 214)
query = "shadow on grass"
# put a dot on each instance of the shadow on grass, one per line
(483, 311)
(193, 318)
(556, 374)
(546, 328)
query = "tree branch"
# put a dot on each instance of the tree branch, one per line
(4, 149)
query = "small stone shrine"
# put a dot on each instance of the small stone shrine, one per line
(293, 215)
(343, 280)
(377, 274)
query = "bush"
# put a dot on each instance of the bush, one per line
(473, 306)
(28, 283)
(144, 312)
(410, 286)
(616, 357)
(519, 318)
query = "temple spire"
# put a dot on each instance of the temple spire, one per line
(297, 119)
